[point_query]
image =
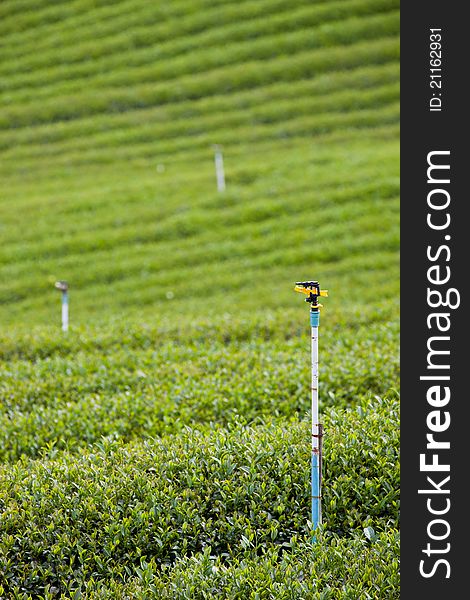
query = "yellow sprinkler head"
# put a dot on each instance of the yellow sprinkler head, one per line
(63, 286)
(312, 290)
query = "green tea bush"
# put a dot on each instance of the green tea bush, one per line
(112, 26)
(251, 74)
(167, 63)
(302, 572)
(66, 519)
(95, 127)
(153, 381)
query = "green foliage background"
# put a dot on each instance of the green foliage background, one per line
(160, 449)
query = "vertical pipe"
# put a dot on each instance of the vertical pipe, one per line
(219, 169)
(65, 311)
(316, 428)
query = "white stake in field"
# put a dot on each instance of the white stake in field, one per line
(63, 286)
(219, 168)
(313, 292)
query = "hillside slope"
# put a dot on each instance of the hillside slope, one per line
(160, 449)
(108, 115)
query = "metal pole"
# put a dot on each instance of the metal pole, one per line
(313, 292)
(316, 428)
(65, 311)
(219, 168)
(64, 288)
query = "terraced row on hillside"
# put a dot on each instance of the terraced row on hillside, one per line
(108, 114)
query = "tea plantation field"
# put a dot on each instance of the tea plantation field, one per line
(160, 448)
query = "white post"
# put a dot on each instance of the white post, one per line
(219, 168)
(64, 288)
(65, 311)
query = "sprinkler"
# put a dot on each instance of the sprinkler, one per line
(312, 290)
(63, 286)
